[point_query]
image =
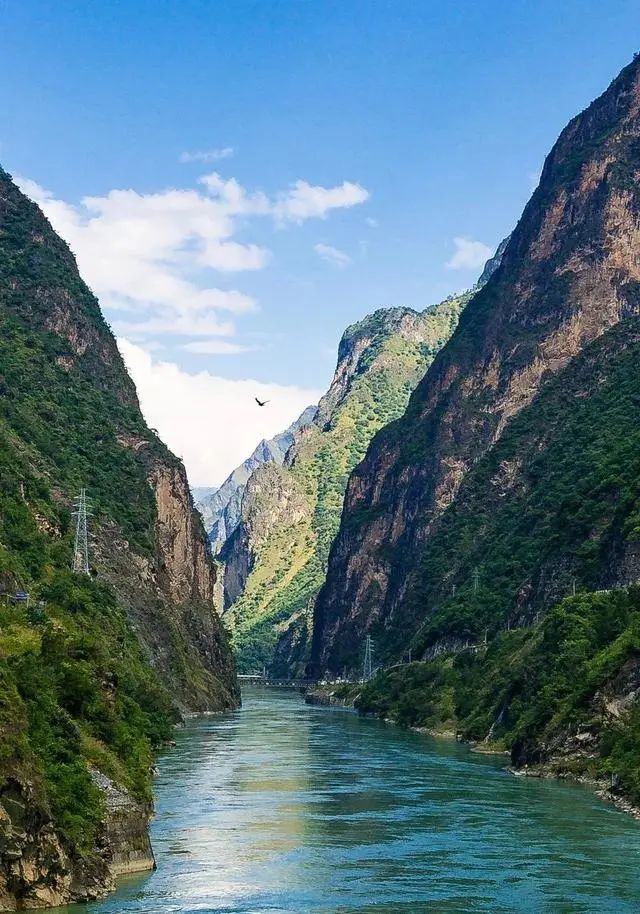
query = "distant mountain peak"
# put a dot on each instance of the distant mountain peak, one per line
(220, 509)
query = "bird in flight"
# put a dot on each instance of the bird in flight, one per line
(260, 402)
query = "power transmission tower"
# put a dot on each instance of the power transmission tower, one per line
(476, 579)
(367, 666)
(80, 563)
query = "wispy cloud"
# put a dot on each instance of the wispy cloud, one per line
(207, 155)
(305, 201)
(217, 347)
(468, 254)
(332, 255)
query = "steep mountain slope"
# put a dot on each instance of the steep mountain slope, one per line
(276, 559)
(512, 473)
(93, 668)
(221, 510)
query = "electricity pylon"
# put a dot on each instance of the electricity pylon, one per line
(367, 666)
(80, 563)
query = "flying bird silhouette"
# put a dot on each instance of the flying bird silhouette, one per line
(260, 402)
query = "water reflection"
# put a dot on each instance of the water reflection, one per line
(286, 809)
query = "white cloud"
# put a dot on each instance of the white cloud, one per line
(153, 255)
(305, 201)
(181, 325)
(216, 347)
(332, 255)
(468, 255)
(371, 222)
(145, 254)
(232, 257)
(211, 422)
(207, 155)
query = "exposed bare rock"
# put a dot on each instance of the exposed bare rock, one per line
(569, 275)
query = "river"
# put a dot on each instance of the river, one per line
(289, 809)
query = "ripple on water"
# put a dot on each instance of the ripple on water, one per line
(285, 809)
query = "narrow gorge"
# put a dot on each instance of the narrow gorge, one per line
(447, 541)
(275, 560)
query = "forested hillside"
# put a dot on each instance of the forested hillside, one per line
(560, 696)
(94, 669)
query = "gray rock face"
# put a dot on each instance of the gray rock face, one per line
(221, 510)
(494, 262)
(126, 844)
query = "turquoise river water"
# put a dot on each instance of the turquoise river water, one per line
(282, 808)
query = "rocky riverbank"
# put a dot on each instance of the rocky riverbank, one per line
(38, 872)
(346, 695)
(341, 695)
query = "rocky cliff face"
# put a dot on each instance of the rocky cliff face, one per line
(275, 561)
(182, 635)
(94, 668)
(271, 499)
(221, 510)
(37, 870)
(569, 276)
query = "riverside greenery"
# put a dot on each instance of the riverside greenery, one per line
(533, 689)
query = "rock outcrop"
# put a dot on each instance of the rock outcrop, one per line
(569, 278)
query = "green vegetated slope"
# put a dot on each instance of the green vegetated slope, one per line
(559, 696)
(554, 505)
(380, 361)
(75, 691)
(77, 688)
(513, 474)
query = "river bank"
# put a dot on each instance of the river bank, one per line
(290, 807)
(346, 696)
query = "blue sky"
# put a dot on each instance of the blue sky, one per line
(409, 124)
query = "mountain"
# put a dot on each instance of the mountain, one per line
(199, 493)
(276, 558)
(220, 509)
(511, 481)
(94, 668)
